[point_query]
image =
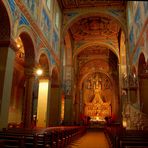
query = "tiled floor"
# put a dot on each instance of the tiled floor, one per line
(92, 139)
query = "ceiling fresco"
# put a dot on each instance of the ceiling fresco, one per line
(94, 51)
(68, 4)
(95, 27)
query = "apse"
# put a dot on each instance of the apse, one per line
(97, 96)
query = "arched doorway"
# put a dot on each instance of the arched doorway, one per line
(143, 83)
(20, 109)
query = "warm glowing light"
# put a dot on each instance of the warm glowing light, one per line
(124, 123)
(39, 72)
(18, 45)
(42, 103)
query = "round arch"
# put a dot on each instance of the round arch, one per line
(45, 51)
(23, 67)
(143, 82)
(108, 95)
(91, 72)
(5, 20)
(28, 49)
(23, 29)
(141, 62)
(98, 13)
(81, 48)
(55, 74)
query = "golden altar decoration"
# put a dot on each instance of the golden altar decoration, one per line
(97, 109)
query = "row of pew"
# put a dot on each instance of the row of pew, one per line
(54, 137)
(119, 137)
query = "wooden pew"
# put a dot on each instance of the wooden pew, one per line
(120, 138)
(55, 137)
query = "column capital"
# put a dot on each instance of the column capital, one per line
(44, 77)
(29, 72)
(13, 45)
(9, 43)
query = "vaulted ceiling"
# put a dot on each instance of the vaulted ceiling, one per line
(99, 28)
(95, 27)
(68, 4)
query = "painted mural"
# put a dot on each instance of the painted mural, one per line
(145, 3)
(137, 53)
(130, 13)
(32, 5)
(18, 17)
(51, 59)
(48, 3)
(20, 20)
(55, 42)
(137, 43)
(131, 39)
(45, 24)
(138, 22)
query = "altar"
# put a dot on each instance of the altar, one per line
(97, 110)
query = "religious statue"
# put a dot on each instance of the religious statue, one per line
(97, 93)
(96, 108)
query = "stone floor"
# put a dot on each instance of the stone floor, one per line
(91, 139)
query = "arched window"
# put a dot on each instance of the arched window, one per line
(57, 19)
(48, 3)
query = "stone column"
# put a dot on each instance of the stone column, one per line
(27, 111)
(120, 93)
(7, 55)
(77, 106)
(48, 103)
(54, 108)
(68, 110)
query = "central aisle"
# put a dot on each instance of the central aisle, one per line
(91, 139)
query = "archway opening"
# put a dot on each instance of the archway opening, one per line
(143, 83)
(20, 109)
(99, 81)
(18, 86)
(41, 101)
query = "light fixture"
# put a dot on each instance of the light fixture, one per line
(124, 123)
(39, 71)
(18, 45)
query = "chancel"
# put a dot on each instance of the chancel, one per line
(96, 105)
(73, 73)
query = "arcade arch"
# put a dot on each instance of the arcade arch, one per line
(143, 83)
